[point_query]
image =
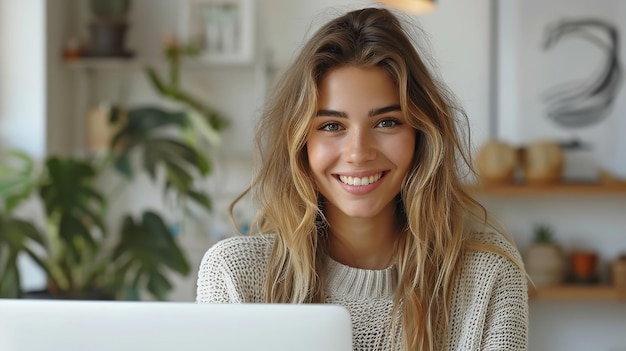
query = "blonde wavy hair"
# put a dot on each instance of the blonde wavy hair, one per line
(442, 218)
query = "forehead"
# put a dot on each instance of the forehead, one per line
(352, 87)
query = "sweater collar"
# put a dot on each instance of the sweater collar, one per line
(361, 283)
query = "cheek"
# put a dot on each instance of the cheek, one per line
(318, 155)
(407, 145)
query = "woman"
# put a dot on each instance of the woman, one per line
(360, 203)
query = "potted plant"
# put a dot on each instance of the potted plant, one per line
(108, 28)
(75, 247)
(79, 255)
(544, 259)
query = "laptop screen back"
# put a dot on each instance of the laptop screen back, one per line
(62, 325)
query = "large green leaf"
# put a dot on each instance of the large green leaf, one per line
(17, 233)
(149, 247)
(15, 237)
(75, 208)
(17, 179)
(144, 120)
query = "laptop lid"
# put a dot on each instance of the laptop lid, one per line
(64, 325)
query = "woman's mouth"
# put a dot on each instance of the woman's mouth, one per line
(361, 181)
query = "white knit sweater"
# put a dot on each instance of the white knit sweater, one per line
(489, 305)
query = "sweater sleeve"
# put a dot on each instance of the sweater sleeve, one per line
(506, 321)
(214, 278)
(234, 270)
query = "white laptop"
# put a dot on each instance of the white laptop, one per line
(64, 325)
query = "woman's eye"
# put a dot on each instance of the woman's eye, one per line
(388, 123)
(330, 127)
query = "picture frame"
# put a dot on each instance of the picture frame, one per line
(559, 75)
(222, 29)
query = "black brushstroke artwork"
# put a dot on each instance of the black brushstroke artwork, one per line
(579, 105)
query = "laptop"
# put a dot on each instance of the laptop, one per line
(67, 325)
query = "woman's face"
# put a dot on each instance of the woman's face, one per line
(359, 146)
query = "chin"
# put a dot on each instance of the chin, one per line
(361, 213)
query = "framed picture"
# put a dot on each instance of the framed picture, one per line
(222, 29)
(559, 76)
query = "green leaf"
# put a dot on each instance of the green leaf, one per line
(14, 200)
(115, 115)
(151, 247)
(123, 165)
(155, 80)
(9, 278)
(173, 150)
(72, 231)
(146, 119)
(17, 179)
(159, 286)
(178, 177)
(204, 127)
(26, 230)
(201, 199)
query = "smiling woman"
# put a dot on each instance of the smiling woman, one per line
(361, 203)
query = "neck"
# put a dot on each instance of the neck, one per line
(366, 243)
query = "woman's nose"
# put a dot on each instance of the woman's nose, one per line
(359, 147)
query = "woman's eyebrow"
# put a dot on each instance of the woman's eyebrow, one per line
(331, 113)
(373, 112)
(383, 110)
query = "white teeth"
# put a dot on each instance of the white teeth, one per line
(356, 181)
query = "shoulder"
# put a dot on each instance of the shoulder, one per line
(491, 260)
(234, 270)
(242, 249)
(493, 249)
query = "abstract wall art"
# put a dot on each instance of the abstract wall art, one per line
(559, 72)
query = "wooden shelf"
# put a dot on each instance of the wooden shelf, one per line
(135, 63)
(557, 189)
(579, 293)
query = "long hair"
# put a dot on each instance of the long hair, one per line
(441, 218)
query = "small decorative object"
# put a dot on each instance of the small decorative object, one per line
(619, 272)
(224, 30)
(543, 163)
(544, 259)
(71, 51)
(584, 266)
(108, 28)
(497, 162)
(100, 130)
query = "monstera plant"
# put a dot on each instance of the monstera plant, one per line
(73, 244)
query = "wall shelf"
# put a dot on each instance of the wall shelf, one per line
(578, 293)
(557, 189)
(135, 63)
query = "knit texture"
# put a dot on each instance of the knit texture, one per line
(489, 309)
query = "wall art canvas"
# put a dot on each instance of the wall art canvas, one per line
(560, 76)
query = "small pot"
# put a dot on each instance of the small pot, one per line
(545, 264)
(584, 266)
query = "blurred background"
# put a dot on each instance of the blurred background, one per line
(148, 107)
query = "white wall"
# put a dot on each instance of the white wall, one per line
(23, 99)
(22, 76)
